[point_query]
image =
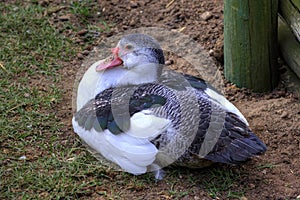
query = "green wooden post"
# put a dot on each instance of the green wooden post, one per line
(250, 43)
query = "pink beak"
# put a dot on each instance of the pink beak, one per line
(112, 61)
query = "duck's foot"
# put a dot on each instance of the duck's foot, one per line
(159, 174)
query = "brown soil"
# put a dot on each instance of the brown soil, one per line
(274, 116)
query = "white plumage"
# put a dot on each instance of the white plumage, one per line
(132, 154)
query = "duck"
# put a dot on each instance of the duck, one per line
(141, 116)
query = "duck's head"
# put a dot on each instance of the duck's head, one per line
(137, 58)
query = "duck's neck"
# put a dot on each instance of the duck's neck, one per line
(119, 76)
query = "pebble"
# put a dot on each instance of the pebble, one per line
(22, 158)
(206, 16)
(169, 62)
(251, 185)
(284, 114)
(132, 22)
(79, 55)
(85, 52)
(133, 4)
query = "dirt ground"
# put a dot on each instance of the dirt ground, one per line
(274, 116)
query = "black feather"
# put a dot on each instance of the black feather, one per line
(119, 121)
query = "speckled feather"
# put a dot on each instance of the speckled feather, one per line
(234, 144)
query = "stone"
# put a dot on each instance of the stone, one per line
(206, 16)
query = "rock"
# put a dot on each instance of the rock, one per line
(22, 157)
(85, 52)
(80, 56)
(284, 114)
(133, 4)
(132, 23)
(251, 186)
(206, 16)
(169, 62)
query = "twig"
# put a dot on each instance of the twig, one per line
(17, 106)
(170, 3)
(181, 29)
(2, 66)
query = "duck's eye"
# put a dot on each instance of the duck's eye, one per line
(128, 47)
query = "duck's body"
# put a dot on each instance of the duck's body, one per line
(165, 118)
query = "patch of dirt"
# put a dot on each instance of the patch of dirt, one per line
(274, 116)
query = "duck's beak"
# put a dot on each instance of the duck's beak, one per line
(112, 61)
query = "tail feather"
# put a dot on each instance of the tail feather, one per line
(239, 151)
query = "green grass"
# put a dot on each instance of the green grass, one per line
(50, 177)
(83, 9)
(30, 49)
(222, 181)
(267, 165)
(31, 54)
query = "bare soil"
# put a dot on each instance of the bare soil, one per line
(273, 116)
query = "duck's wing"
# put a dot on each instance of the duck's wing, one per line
(223, 132)
(113, 108)
(118, 125)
